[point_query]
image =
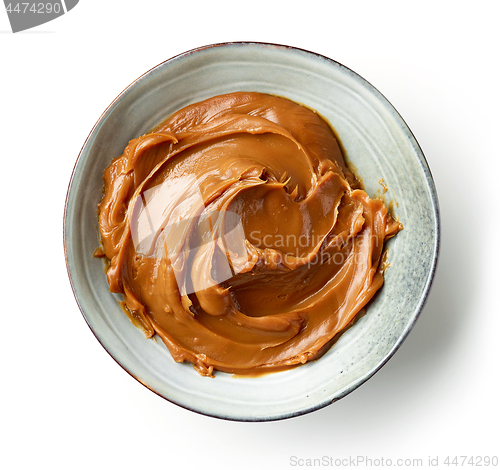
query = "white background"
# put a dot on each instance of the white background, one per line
(65, 403)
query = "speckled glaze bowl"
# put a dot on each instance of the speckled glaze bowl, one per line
(377, 142)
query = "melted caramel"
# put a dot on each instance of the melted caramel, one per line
(236, 232)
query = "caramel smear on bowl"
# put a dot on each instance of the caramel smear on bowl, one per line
(236, 232)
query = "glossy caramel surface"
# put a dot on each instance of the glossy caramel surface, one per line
(236, 232)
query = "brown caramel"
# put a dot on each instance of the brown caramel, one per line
(236, 232)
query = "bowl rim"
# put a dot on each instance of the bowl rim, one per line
(430, 277)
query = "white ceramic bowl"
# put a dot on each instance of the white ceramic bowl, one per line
(377, 142)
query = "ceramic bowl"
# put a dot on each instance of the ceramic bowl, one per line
(377, 141)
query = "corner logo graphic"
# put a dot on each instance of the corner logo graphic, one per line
(26, 15)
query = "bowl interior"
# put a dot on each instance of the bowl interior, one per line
(377, 142)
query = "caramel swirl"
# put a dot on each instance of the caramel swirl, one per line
(236, 232)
